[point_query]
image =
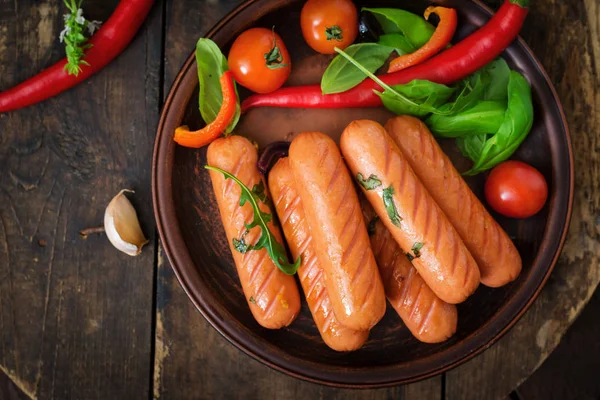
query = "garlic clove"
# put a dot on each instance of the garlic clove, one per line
(122, 225)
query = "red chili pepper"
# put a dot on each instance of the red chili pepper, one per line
(210, 132)
(459, 61)
(440, 39)
(110, 40)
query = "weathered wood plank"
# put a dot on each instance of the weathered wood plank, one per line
(575, 361)
(570, 52)
(75, 314)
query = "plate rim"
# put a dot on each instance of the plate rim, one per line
(163, 152)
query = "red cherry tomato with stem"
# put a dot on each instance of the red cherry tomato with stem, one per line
(259, 60)
(327, 24)
(516, 189)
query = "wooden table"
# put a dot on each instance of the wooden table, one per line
(80, 320)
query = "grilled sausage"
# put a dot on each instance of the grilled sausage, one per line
(498, 259)
(409, 212)
(272, 296)
(338, 230)
(429, 319)
(291, 215)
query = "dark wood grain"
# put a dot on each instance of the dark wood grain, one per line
(75, 314)
(571, 371)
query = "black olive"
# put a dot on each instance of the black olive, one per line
(368, 28)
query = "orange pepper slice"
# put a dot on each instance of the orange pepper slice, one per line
(196, 139)
(440, 39)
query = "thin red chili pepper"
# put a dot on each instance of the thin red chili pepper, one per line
(459, 61)
(110, 40)
(210, 132)
(440, 39)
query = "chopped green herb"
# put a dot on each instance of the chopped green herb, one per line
(267, 240)
(370, 183)
(240, 244)
(372, 225)
(416, 249)
(390, 207)
(251, 300)
(409, 256)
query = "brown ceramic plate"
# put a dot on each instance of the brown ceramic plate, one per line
(194, 240)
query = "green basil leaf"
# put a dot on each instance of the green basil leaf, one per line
(417, 98)
(414, 27)
(498, 74)
(267, 240)
(211, 65)
(483, 117)
(341, 75)
(370, 183)
(517, 123)
(390, 207)
(398, 42)
(471, 146)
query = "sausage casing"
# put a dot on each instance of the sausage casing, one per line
(291, 215)
(496, 255)
(419, 225)
(336, 224)
(272, 296)
(429, 319)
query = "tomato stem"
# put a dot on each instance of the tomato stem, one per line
(334, 33)
(274, 58)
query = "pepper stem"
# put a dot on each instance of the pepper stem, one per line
(334, 33)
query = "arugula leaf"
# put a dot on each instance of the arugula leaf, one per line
(341, 75)
(259, 191)
(483, 117)
(372, 227)
(396, 101)
(390, 207)
(414, 27)
(370, 183)
(416, 249)
(211, 65)
(267, 240)
(517, 123)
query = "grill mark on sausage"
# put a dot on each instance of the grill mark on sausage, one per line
(257, 266)
(416, 201)
(329, 318)
(368, 293)
(266, 281)
(351, 243)
(282, 194)
(425, 320)
(455, 251)
(348, 220)
(275, 298)
(361, 266)
(438, 238)
(319, 298)
(415, 304)
(406, 284)
(343, 201)
(429, 209)
(334, 176)
(235, 171)
(387, 155)
(290, 209)
(402, 181)
(313, 283)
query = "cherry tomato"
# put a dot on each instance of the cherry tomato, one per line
(259, 60)
(516, 189)
(327, 24)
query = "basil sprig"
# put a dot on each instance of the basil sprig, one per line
(211, 65)
(261, 219)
